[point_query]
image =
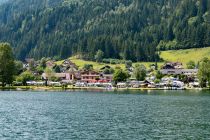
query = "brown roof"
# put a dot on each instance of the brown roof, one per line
(68, 62)
(58, 75)
(90, 72)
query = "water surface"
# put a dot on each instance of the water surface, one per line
(105, 115)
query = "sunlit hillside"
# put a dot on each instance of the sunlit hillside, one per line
(185, 56)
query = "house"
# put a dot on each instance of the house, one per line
(121, 85)
(25, 66)
(35, 83)
(29, 60)
(172, 65)
(80, 84)
(50, 64)
(50, 83)
(148, 84)
(63, 77)
(106, 78)
(135, 84)
(29, 63)
(188, 72)
(68, 64)
(150, 78)
(153, 66)
(177, 84)
(105, 67)
(130, 70)
(74, 75)
(194, 84)
(90, 76)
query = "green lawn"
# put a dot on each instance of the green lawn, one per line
(185, 56)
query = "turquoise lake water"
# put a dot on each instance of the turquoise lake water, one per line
(105, 115)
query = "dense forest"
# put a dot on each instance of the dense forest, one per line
(124, 29)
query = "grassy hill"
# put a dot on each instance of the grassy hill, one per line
(80, 63)
(185, 56)
(97, 66)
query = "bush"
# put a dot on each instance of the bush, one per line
(107, 61)
(128, 64)
(113, 61)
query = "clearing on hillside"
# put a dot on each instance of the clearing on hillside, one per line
(185, 56)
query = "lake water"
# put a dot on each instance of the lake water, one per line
(105, 115)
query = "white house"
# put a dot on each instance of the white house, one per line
(187, 72)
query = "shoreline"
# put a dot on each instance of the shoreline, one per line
(43, 88)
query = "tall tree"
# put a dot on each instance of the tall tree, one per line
(140, 72)
(24, 77)
(204, 72)
(120, 75)
(99, 56)
(49, 73)
(7, 64)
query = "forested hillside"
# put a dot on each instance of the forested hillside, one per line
(127, 29)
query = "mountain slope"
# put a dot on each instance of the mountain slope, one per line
(128, 29)
(186, 55)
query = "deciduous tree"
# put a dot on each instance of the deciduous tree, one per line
(204, 72)
(99, 56)
(140, 72)
(120, 75)
(7, 65)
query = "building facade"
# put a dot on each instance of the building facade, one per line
(188, 72)
(90, 76)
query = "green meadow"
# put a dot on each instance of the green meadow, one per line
(80, 63)
(185, 56)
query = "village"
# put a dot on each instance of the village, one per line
(171, 75)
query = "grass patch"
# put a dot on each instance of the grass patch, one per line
(185, 56)
(97, 66)
(80, 63)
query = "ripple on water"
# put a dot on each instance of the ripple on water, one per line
(86, 115)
